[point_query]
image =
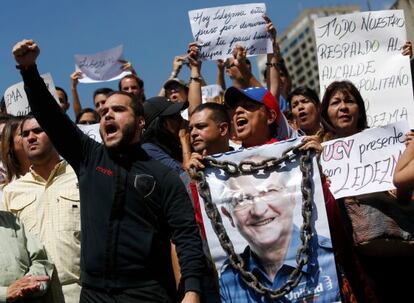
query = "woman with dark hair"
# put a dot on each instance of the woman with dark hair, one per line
(87, 116)
(343, 110)
(378, 225)
(13, 156)
(305, 108)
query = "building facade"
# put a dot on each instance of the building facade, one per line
(408, 7)
(298, 46)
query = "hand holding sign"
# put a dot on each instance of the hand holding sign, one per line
(127, 66)
(270, 28)
(104, 66)
(74, 79)
(363, 163)
(220, 29)
(407, 49)
(193, 54)
(365, 48)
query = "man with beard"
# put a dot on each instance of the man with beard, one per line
(132, 205)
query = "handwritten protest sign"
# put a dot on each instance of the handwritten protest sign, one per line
(365, 48)
(16, 100)
(101, 67)
(210, 92)
(262, 214)
(220, 29)
(364, 163)
(92, 130)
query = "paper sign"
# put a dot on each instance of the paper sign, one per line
(365, 48)
(16, 100)
(262, 215)
(210, 92)
(92, 130)
(364, 163)
(101, 67)
(220, 29)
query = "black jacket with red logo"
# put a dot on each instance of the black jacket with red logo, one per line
(131, 206)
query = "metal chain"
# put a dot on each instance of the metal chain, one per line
(249, 167)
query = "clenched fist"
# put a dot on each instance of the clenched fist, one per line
(25, 53)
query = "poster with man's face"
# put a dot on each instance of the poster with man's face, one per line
(262, 215)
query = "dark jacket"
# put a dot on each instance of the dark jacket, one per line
(131, 206)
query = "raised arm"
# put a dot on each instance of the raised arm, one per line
(74, 80)
(239, 55)
(177, 65)
(60, 129)
(220, 74)
(194, 86)
(273, 59)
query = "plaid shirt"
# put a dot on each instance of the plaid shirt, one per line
(50, 209)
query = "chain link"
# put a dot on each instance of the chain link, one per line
(248, 167)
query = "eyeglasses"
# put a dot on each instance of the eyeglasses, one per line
(177, 88)
(36, 131)
(244, 201)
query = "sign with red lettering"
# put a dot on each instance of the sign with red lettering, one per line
(365, 48)
(364, 163)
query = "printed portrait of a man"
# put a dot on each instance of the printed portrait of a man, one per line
(260, 207)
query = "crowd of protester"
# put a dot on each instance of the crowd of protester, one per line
(89, 222)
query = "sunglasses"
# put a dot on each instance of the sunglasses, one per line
(36, 131)
(171, 89)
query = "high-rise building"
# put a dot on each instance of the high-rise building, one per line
(408, 7)
(298, 46)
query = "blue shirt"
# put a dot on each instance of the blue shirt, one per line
(283, 104)
(319, 282)
(159, 154)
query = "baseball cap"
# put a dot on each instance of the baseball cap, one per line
(263, 96)
(159, 107)
(174, 81)
(257, 94)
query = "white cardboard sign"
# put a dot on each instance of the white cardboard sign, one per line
(365, 48)
(92, 130)
(102, 66)
(209, 92)
(220, 29)
(16, 100)
(364, 163)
